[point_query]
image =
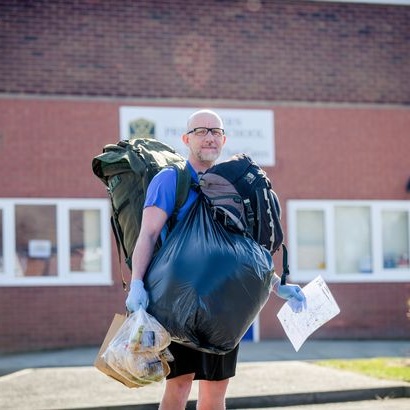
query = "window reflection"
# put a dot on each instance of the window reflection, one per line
(395, 235)
(36, 240)
(311, 240)
(353, 239)
(85, 241)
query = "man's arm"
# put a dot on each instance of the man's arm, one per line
(153, 220)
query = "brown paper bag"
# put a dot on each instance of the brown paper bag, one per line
(99, 362)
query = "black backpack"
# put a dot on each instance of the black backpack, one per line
(242, 199)
(127, 168)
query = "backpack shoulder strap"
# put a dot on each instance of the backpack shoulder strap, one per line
(285, 265)
(184, 183)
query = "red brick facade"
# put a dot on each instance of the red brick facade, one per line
(234, 49)
(67, 67)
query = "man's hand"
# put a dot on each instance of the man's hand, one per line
(293, 293)
(289, 291)
(137, 296)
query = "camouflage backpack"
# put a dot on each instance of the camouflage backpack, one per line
(126, 169)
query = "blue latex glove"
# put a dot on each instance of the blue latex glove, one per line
(289, 291)
(294, 294)
(137, 296)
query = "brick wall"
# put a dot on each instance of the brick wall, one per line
(326, 152)
(239, 50)
(200, 53)
(54, 141)
(36, 318)
(322, 152)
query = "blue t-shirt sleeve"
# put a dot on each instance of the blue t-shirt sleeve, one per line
(162, 190)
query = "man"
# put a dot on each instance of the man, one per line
(204, 138)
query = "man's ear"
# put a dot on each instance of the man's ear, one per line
(185, 139)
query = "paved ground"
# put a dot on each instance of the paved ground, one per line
(269, 375)
(381, 404)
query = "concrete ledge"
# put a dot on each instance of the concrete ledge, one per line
(285, 400)
(298, 399)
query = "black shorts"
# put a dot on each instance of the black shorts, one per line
(206, 366)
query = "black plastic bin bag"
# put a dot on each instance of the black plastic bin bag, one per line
(206, 285)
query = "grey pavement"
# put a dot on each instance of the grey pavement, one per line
(270, 374)
(378, 404)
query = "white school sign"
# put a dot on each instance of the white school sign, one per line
(248, 131)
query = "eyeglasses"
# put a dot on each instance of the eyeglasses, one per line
(203, 131)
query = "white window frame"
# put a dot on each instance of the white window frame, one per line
(64, 275)
(379, 274)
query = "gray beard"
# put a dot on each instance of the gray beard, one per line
(208, 156)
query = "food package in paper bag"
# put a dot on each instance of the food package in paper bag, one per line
(150, 367)
(146, 334)
(139, 349)
(206, 285)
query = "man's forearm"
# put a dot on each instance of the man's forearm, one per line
(275, 282)
(142, 256)
(153, 220)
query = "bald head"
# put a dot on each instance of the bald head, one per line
(204, 138)
(204, 118)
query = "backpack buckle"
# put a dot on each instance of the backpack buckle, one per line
(250, 216)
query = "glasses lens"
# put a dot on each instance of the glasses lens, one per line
(217, 132)
(201, 132)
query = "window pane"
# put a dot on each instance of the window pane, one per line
(395, 239)
(311, 240)
(1, 243)
(36, 243)
(85, 241)
(353, 240)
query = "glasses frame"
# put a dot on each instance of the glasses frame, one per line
(208, 130)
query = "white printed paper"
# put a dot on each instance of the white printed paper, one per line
(39, 248)
(320, 308)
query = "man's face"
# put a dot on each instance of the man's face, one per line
(205, 145)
